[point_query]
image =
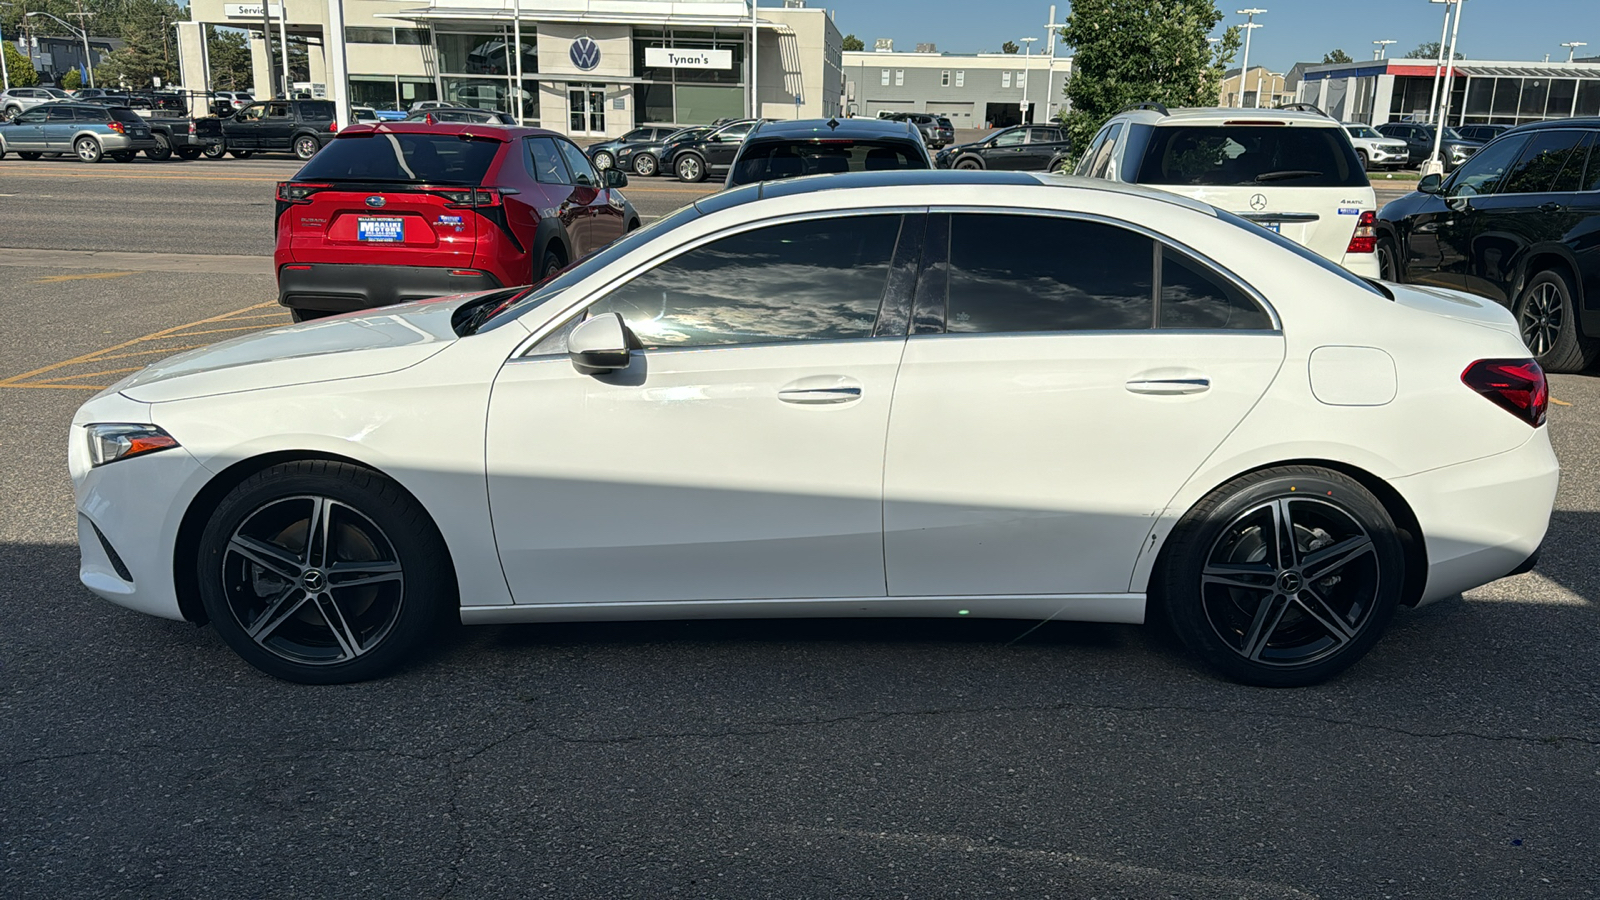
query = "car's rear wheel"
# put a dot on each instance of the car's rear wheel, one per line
(968, 163)
(604, 160)
(1283, 577)
(162, 150)
(188, 153)
(124, 156)
(1388, 260)
(10, 112)
(323, 573)
(306, 146)
(644, 164)
(690, 168)
(28, 155)
(550, 265)
(214, 151)
(241, 154)
(88, 149)
(1545, 316)
(1362, 155)
(1062, 167)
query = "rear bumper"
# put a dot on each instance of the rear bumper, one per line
(338, 287)
(117, 142)
(1362, 264)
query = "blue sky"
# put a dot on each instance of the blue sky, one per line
(1293, 30)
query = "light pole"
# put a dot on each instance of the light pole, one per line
(1244, 64)
(88, 60)
(1438, 68)
(1027, 58)
(1435, 164)
(5, 73)
(1383, 49)
(1572, 46)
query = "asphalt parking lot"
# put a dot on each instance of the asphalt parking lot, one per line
(141, 758)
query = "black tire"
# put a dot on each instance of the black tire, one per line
(188, 154)
(1365, 165)
(2, 152)
(1388, 260)
(306, 146)
(645, 165)
(162, 151)
(214, 151)
(967, 162)
(1062, 166)
(290, 606)
(241, 154)
(1547, 318)
(690, 167)
(10, 112)
(124, 156)
(88, 150)
(28, 155)
(550, 265)
(1264, 618)
(604, 160)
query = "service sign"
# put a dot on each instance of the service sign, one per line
(250, 10)
(677, 58)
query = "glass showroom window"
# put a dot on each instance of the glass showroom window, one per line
(688, 96)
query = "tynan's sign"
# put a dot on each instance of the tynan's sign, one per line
(250, 10)
(677, 58)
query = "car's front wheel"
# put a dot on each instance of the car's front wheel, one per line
(690, 168)
(215, 151)
(968, 163)
(1362, 155)
(305, 146)
(1283, 577)
(604, 160)
(323, 573)
(644, 164)
(1549, 327)
(1388, 260)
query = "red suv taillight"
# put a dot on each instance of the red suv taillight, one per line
(1517, 386)
(1365, 240)
(298, 191)
(469, 198)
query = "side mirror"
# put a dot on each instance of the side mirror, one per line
(1430, 184)
(601, 345)
(615, 178)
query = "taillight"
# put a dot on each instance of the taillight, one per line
(1517, 386)
(1365, 240)
(467, 198)
(298, 191)
(334, 125)
(118, 127)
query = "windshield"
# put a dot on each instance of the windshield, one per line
(1362, 131)
(1294, 156)
(772, 160)
(403, 158)
(57, 92)
(1450, 134)
(685, 134)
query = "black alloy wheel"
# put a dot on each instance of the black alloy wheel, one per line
(188, 153)
(1283, 578)
(1545, 318)
(644, 164)
(1388, 261)
(1362, 155)
(306, 146)
(323, 573)
(214, 151)
(241, 154)
(549, 266)
(162, 150)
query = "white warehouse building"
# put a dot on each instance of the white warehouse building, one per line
(594, 68)
(972, 90)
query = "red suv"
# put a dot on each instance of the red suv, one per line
(403, 211)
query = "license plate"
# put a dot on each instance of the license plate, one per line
(1274, 227)
(389, 231)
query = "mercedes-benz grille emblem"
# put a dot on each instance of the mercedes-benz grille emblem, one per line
(585, 53)
(1258, 202)
(376, 201)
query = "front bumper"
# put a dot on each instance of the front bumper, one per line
(1482, 520)
(342, 287)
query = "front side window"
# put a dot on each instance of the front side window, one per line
(252, 113)
(545, 161)
(799, 281)
(1483, 173)
(32, 117)
(1012, 138)
(582, 170)
(1014, 273)
(1549, 153)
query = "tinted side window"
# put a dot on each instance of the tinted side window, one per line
(60, 113)
(800, 281)
(100, 115)
(1571, 177)
(545, 162)
(1547, 154)
(1591, 176)
(1483, 173)
(315, 110)
(1011, 273)
(121, 114)
(277, 110)
(1102, 162)
(1090, 155)
(582, 171)
(1193, 296)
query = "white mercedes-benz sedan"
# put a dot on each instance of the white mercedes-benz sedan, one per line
(879, 394)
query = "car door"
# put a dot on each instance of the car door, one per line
(242, 131)
(1039, 149)
(60, 127)
(739, 456)
(724, 146)
(1439, 235)
(1041, 421)
(559, 198)
(26, 131)
(1004, 150)
(1534, 206)
(277, 126)
(602, 213)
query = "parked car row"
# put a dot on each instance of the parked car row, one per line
(101, 127)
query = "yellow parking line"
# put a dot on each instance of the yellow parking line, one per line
(53, 279)
(222, 330)
(105, 372)
(1559, 402)
(73, 387)
(167, 350)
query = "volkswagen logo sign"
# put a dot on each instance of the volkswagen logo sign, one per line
(585, 53)
(376, 202)
(1258, 202)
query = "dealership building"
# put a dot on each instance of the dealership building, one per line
(1482, 92)
(592, 68)
(972, 90)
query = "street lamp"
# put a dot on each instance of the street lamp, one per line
(1027, 58)
(1573, 45)
(1244, 64)
(88, 59)
(1434, 163)
(1438, 68)
(1383, 49)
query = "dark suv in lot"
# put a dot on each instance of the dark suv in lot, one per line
(1035, 148)
(301, 127)
(404, 211)
(693, 156)
(1453, 149)
(1518, 223)
(827, 146)
(937, 132)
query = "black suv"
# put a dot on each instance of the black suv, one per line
(1034, 148)
(298, 126)
(1483, 133)
(827, 146)
(1454, 149)
(694, 156)
(1517, 223)
(937, 132)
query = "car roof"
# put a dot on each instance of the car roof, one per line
(1578, 122)
(1213, 115)
(804, 129)
(502, 133)
(789, 187)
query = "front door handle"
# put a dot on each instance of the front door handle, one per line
(821, 389)
(1169, 386)
(1551, 207)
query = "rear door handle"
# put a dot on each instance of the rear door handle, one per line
(821, 389)
(1169, 385)
(1551, 207)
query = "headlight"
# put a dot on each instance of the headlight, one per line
(109, 443)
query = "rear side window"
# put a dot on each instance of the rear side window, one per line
(769, 161)
(1547, 156)
(122, 115)
(1101, 166)
(402, 159)
(799, 281)
(60, 113)
(1193, 296)
(316, 109)
(1011, 273)
(1292, 156)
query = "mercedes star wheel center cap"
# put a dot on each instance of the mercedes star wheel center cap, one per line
(314, 581)
(1288, 582)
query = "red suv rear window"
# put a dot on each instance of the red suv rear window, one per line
(403, 159)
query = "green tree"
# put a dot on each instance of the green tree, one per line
(1430, 50)
(19, 67)
(71, 81)
(147, 26)
(1337, 56)
(230, 60)
(1009, 47)
(851, 42)
(1136, 51)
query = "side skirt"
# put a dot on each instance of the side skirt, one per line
(1121, 608)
